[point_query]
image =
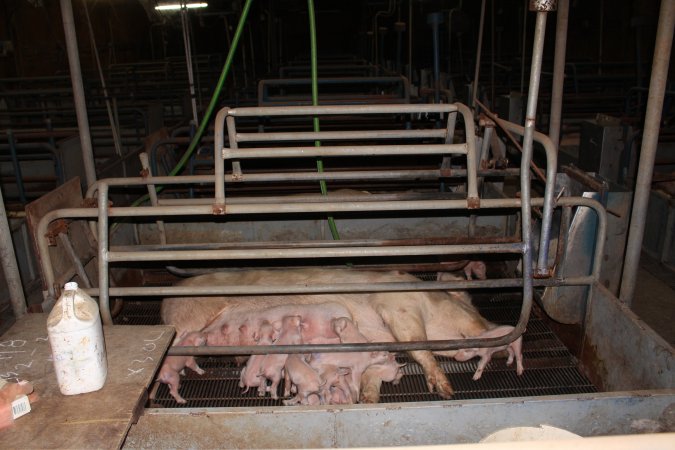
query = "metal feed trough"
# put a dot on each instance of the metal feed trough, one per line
(626, 361)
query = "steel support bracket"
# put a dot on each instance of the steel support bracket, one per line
(54, 229)
(219, 210)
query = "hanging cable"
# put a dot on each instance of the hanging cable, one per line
(315, 102)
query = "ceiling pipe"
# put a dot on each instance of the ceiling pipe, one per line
(650, 138)
(78, 91)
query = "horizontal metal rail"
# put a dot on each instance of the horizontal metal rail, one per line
(242, 290)
(345, 151)
(341, 135)
(341, 110)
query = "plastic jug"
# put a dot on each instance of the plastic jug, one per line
(76, 338)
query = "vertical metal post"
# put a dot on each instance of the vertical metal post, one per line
(17, 167)
(103, 234)
(188, 61)
(541, 6)
(114, 125)
(78, 91)
(9, 265)
(410, 30)
(650, 137)
(479, 46)
(435, 19)
(558, 72)
(152, 192)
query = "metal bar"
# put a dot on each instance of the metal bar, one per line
(290, 253)
(152, 192)
(471, 168)
(526, 225)
(218, 162)
(79, 268)
(342, 109)
(555, 121)
(245, 290)
(316, 244)
(657, 86)
(78, 91)
(188, 62)
(344, 150)
(340, 135)
(549, 198)
(114, 127)
(103, 276)
(17, 168)
(9, 265)
(479, 48)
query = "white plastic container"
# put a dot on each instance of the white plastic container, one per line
(76, 337)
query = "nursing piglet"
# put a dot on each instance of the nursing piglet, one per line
(336, 389)
(307, 381)
(514, 349)
(272, 365)
(249, 374)
(173, 365)
(372, 378)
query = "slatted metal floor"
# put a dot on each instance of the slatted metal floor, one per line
(550, 369)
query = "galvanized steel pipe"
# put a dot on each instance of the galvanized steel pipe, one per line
(549, 190)
(9, 265)
(650, 137)
(526, 225)
(555, 121)
(78, 91)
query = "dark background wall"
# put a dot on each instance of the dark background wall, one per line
(130, 30)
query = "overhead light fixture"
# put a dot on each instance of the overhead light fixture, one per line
(179, 5)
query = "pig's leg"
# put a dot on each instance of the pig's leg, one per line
(370, 388)
(484, 360)
(287, 384)
(173, 380)
(192, 364)
(518, 350)
(407, 325)
(292, 401)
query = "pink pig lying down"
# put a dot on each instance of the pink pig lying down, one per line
(174, 365)
(381, 316)
(514, 349)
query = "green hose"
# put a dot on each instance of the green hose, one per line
(212, 104)
(315, 102)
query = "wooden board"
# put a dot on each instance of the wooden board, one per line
(98, 419)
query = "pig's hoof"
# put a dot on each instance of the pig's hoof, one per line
(181, 400)
(369, 397)
(444, 389)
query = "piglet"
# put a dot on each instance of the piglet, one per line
(174, 365)
(347, 330)
(514, 349)
(372, 378)
(307, 381)
(336, 389)
(272, 365)
(249, 374)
